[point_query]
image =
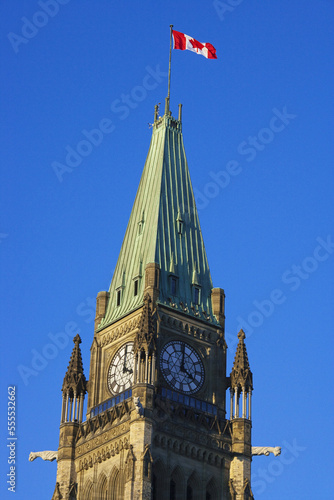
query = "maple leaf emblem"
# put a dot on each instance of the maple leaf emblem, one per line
(196, 44)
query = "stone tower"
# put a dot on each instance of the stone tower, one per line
(241, 385)
(156, 426)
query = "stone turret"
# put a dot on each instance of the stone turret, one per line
(74, 386)
(241, 386)
(241, 381)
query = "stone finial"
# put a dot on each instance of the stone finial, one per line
(241, 335)
(77, 339)
(75, 379)
(145, 336)
(241, 375)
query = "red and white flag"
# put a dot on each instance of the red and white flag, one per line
(186, 42)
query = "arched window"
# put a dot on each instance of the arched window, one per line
(88, 491)
(189, 493)
(194, 488)
(102, 488)
(211, 490)
(177, 484)
(172, 490)
(116, 486)
(160, 482)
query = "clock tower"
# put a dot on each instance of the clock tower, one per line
(156, 426)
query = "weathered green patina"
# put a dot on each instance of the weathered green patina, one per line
(163, 228)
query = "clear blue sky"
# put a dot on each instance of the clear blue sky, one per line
(266, 103)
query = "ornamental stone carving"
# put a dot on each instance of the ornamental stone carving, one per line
(266, 450)
(138, 406)
(44, 455)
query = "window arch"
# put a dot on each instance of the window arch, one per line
(102, 487)
(88, 490)
(172, 490)
(176, 485)
(211, 492)
(160, 484)
(194, 489)
(116, 485)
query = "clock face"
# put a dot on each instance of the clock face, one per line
(182, 367)
(120, 374)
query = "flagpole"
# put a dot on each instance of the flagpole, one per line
(170, 59)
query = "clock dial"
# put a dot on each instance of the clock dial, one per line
(120, 374)
(182, 367)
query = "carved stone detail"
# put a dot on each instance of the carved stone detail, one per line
(102, 454)
(266, 450)
(130, 465)
(188, 329)
(56, 494)
(145, 337)
(138, 406)
(188, 449)
(147, 462)
(120, 331)
(44, 455)
(100, 423)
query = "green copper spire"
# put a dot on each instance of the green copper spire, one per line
(163, 228)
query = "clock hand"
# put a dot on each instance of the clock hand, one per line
(125, 368)
(182, 361)
(124, 364)
(190, 376)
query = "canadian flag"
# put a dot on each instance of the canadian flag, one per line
(186, 42)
